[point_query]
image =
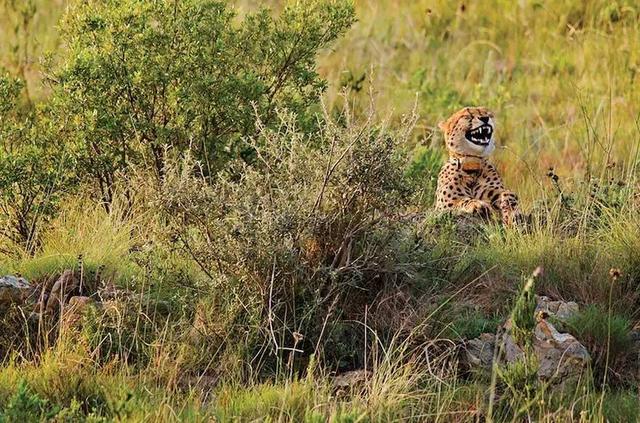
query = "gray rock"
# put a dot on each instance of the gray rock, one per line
(510, 348)
(479, 352)
(560, 355)
(352, 379)
(13, 289)
(62, 288)
(561, 310)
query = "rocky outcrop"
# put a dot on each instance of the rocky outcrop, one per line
(56, 299)
(62, 288)
(559, 355)
(13, 289)
(479, 352)
(560, 310)
(351, 380)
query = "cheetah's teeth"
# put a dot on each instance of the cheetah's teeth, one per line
(480, 135)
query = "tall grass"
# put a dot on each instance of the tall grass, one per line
(562, 78)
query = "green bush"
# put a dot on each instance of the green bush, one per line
(304, 240)
(34, 171)
(139, 77)
(25, 406)
(523, 313)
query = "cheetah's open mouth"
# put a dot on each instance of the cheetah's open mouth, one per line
(480, 135)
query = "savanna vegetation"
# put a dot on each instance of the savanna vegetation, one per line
(245, 190)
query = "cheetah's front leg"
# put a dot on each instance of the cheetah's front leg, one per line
(508, 205)
(474, 206)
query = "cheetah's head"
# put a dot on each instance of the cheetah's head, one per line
(469, 132)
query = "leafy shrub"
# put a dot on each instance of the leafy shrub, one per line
(142, 76)
(519, 379)
(10, 89)
(34, 171)
(303, 240)
(621, 406)
(25, 406)
(521, 384)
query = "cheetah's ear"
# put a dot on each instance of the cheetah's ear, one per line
(444, 126)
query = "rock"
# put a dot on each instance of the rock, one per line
(351, 380)
(511, 350)
(61, 289)
(468, 227)
(13, 289)
(559, 355)
(465, 227)
(80, 302)
(635, 336)
(479, 352)
(560, 310)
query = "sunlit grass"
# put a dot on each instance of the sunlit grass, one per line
(81, 236)
(561, 76)
(563, 79)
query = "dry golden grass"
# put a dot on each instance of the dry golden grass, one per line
(563, 79)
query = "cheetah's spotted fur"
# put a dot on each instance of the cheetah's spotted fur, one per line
(468, 183)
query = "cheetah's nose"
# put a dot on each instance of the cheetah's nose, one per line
(484, 119)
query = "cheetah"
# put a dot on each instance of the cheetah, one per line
(468, 183)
